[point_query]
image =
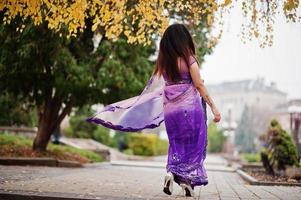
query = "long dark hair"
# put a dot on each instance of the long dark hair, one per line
(176, 42)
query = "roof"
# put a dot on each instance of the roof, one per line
(292, 106)
(248, 85)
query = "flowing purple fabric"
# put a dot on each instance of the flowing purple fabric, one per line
(137, 113)
(184, 112)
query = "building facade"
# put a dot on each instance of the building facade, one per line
(231, 98)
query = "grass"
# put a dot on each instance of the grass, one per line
(251, 157)
(19, 146)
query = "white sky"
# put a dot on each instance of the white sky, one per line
(232, 60)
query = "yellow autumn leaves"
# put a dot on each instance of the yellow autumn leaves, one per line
(140, 20)
(260, 17)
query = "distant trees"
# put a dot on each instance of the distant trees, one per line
(252, 124)
(245, 134)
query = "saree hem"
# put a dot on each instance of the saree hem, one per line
(121, 128)
(181, 176)
(180, 179)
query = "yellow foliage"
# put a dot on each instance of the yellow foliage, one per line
(261, 15)
(227, 2)
(140, 20)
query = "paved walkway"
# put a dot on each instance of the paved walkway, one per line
(106, 181)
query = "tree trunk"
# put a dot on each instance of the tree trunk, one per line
(45, 130)
(46, 127)
(266, 163)
(49, 119)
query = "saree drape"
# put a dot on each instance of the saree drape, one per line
(136, 113)
(184, 113)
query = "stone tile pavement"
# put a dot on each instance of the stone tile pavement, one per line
(106, 181)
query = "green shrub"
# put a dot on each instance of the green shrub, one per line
(142, 144)
(146, 144)
(280, 151)
(80, 128)
(102, 135)
(68, 132)
(251, 157)
(216, 138)
(118, 138)
(128, 151)
(162, 147)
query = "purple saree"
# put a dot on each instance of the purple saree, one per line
(184, 112)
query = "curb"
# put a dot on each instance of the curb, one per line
(160, 165)
(247, 177)
(67, 163)
(48, 161)
(33, 195)
(21, 195)
(254, 181)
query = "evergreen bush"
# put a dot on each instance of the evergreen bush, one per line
(280, 150)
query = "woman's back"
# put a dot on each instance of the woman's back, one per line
(183, 69)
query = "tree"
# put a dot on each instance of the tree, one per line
(140, 20)
(251, 126)
(55, 74)
(245, 134)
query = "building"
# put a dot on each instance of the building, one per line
(232, 97)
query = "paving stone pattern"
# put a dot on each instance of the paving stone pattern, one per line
(106, 181)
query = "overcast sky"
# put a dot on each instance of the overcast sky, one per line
(232, 60)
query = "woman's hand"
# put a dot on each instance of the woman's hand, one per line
(216, 114)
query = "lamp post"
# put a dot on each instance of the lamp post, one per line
(229, 127)
(295, 124)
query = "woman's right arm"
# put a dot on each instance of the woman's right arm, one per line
(198, 83)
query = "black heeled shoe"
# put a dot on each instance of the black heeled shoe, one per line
(187, 190)
(168, 183)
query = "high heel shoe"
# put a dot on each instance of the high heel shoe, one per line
(168, 183)
(187, 190)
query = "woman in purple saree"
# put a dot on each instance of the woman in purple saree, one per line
(176, 95)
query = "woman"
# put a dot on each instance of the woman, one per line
(179, 99)
(184, 113)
